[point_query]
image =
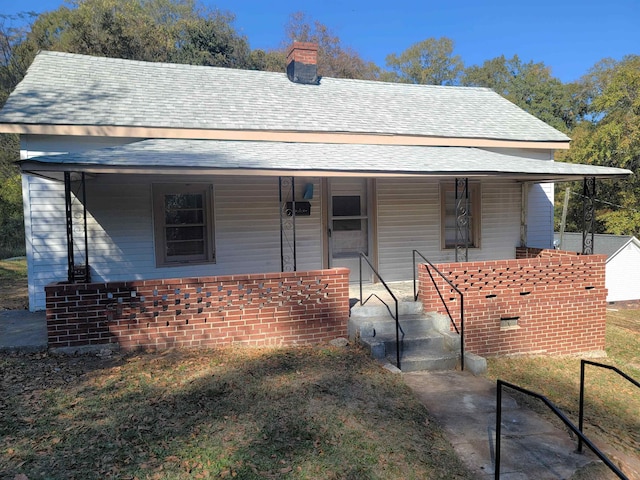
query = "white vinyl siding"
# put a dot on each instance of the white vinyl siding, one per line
(247, 219)
(121, 232)
(540, 216)
(623, 274)
(120, 226)
(409, 218)
(46, 241)
(309, 231)
(501, 210)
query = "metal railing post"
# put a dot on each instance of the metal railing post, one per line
(496, 465)
(360, 273)
(462, 332)
(583, 363)
(71, 270)
(581, 412)
(560, 415)
(415, 291)
(397, 338)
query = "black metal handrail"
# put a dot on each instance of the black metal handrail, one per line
(396, 316)
(601, 365)
(558, 413)
(444, 303)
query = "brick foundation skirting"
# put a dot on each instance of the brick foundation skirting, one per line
(291, 308)
(543, 302)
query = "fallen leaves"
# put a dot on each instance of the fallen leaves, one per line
(209, 414)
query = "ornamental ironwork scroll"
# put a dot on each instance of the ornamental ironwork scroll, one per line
(588, 214)
(287, 196)
(463, 225)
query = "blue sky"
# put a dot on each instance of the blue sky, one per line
(568, 36)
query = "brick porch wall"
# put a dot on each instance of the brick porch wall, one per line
(543, 302)
(288, 308)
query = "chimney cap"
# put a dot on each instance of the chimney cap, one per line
(302, 46)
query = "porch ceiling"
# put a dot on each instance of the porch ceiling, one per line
(213, 157)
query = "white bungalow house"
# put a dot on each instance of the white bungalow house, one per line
(155, 171)
(622, 266)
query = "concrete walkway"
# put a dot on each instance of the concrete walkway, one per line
(465, 405)
(22, 330)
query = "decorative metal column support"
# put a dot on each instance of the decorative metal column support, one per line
(462, 220)
(524, 208)
(287, 197)
(69, 216)
(72, 273)
(588, 215)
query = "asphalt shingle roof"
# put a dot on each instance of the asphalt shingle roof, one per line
(321, 157)
(70, 89)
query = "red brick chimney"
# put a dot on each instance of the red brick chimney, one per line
(302, 63)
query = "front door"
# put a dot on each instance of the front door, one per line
(348, 225)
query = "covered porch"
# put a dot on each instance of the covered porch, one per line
(269, 214)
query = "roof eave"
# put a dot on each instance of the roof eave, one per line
(50, 170)
(365, 138)
(633, 240)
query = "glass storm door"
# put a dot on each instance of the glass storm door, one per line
(348, 225)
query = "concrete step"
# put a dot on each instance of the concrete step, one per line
(428, 361)
(410, 325)
(426, 341)
(373, 308)
(432, 343)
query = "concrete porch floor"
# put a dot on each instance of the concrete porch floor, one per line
(402, 290)
(23, 330)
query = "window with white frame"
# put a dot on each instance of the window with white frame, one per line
(448, 214)
(183, 223)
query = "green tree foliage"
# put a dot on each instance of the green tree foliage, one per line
(214, 42)
(532, 87)
(11, 217)
(12, 69)
(334, 60)
(150, 30)
(268, 60)
(429, 62)
(610, 136)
